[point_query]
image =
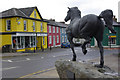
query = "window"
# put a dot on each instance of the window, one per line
(18, 42)
(110, 31)
(41, 27)
(53, 29)
(57, 30)
(33, 26)
(35, 14)
(112, 41)
(62, 30)
(43, 40)
(62, 38)
(25, 25)
(65, 39)
(57, 39)
(33, 40)
(50, 41)
(49, 29)
(8, 25)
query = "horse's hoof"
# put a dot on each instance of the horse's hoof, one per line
(73, 59)
(85, 51)
(99, 66)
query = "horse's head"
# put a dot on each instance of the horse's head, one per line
(72, 12)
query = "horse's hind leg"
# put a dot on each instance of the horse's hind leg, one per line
(72, 47)
(101, 54)
(87, 40)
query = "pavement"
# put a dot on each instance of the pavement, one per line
(111, 60)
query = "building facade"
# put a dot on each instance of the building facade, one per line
(110, 39)
(23, 29)
(53, 34)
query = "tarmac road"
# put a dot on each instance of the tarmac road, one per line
(16, 67)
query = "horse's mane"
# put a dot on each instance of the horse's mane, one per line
(76, 10)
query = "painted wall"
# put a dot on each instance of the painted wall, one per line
(52, 35)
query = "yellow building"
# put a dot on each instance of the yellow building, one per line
(22, 29)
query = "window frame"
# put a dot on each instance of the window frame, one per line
(25, 25)
(8, 25)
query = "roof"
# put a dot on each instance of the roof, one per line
(59, 24)
(21, 12)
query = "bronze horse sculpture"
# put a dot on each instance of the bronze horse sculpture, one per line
(87, 27)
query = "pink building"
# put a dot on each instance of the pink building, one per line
(53, 34)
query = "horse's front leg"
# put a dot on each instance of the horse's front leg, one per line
(87, 40)
(72, 47)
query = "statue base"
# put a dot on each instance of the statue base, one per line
(72, 70)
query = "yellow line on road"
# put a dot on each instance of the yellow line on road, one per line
(25, 76)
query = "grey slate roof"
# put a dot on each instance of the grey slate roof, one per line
(21, 12)
(59, 24)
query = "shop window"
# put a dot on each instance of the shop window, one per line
(43, 40)
(18, 42)
(8, 25)
(62, 38)
(32, 41)
(112, 41)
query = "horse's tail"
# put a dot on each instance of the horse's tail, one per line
(107, 15)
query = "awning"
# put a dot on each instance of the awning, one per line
(30, 34)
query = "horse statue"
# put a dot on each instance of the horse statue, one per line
(87, 27)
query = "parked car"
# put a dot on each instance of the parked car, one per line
(65, 45)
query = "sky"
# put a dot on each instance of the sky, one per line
(57, 9)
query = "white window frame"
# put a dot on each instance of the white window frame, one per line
(35, 14)
(33, 26)
(41, 25)
(8, 25)
(62, 30)
(57, 39)
(50, 40)
(53, 29)
(49, 29)
(57, 30)
(25, 25)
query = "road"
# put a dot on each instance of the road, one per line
(16, 67)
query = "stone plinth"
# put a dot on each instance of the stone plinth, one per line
(70, 69)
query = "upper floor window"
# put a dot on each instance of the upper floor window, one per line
(8, 25)
(25, 25)
(35, 14)
(41, 27)
(49, 29)
(53, 29)
(57, 30)
(62, 30)
(33, 26)
(110, 31)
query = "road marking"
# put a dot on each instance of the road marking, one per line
(27, 58)
(3, 69)
(54, 56)
(10, 61)
(25, 76)
(42, 57)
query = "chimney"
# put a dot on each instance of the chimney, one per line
(114, 18)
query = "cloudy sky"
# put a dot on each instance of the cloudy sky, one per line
(57, 9)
